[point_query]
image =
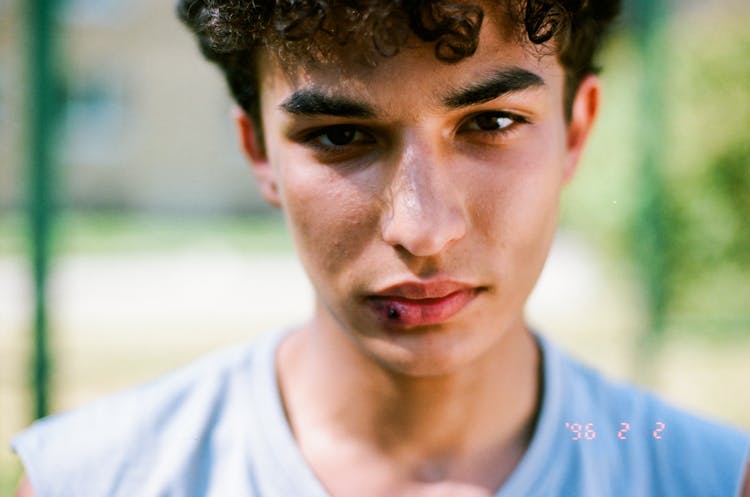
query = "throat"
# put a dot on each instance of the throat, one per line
(472, 427)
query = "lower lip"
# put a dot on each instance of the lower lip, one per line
(406, 313)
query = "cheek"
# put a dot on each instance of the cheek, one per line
(331, 218)
(516, 209)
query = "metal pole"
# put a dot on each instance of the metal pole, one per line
(42, 112)
(651, 242)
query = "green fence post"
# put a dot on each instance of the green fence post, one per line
(42, 113)
(651, 245)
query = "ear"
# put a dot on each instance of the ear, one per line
(584, 111)
(256, 155)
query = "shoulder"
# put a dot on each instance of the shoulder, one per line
(639, 437)
(117, 444)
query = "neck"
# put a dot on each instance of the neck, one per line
(334, 391)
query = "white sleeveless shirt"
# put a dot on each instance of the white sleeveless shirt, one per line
(216, 428)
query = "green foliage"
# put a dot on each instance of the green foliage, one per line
(731, 177)
(708, 165)
(705, 167)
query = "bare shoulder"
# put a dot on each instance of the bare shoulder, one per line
(24, 489)
(746, 486)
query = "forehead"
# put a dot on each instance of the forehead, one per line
(415, 72)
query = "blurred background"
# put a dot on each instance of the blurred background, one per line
(133, 239)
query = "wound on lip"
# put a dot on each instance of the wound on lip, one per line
(393, 313)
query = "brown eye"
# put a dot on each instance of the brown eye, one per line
(341, 136)
(490, 121)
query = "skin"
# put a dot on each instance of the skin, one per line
(423, 191)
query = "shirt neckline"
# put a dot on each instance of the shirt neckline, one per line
(280, 464)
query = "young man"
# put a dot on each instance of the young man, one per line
(417, 150)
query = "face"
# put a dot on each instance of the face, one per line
(422, 196)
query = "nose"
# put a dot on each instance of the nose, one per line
(424, 211)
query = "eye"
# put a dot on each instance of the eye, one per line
(492, 122)
(333, 137)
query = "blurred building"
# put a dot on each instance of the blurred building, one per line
(145, 121)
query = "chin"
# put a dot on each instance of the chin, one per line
(426, 353)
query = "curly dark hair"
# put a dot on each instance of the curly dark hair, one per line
(231, 31)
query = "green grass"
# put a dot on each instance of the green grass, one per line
(122, 232)
(10, 473)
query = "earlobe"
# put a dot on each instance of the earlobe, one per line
(256, 155)
(583, 115)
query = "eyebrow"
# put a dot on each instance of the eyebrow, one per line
(313, 102)
(498, 84)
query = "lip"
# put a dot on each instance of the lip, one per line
(413, 290)
(412, 304)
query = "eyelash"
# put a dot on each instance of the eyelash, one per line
(312, 137)
(515, 121)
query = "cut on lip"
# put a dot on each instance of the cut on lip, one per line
(423, 291)
(400, 313)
